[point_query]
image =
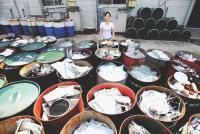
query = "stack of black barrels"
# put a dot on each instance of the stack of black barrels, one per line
(150, 24)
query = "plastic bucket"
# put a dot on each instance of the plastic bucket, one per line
(32, 26)
(48, 25)
(6, 26)
(9, 126)
(59, 29)
(25, 27)
(40, 26)
(153, 126)
(57, 123)
(70, 30)
(75, 121)
(16, 26)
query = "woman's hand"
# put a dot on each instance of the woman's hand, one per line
(110, 43)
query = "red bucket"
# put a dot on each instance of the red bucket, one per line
(148, 123)
(57, 123)
(9, 126)
(126, 91)
(128, 61)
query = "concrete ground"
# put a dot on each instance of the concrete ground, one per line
(169, 46)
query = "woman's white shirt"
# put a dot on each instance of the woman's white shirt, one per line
(106, 30)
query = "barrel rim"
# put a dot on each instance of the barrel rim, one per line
(190, 119)
(167, 53)
(24, 117)
(162, 89)
(109, 48)
(115, 62)
(127, 120)
(49, 89)
(29, 65)
(23, 81)
(32, 59)
(88, 51)
(146, 64)
(195, 55)
(36, 59)
(113, 84)
(93, 113)
(77, 62)
(182, 95)
(26, 46)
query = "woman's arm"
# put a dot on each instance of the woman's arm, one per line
(113, 31)
(101, 31)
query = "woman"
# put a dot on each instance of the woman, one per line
(107, 31)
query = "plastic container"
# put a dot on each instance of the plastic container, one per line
(16, 26)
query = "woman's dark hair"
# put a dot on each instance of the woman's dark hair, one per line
(107, 13)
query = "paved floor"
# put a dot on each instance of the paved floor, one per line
(169, 46)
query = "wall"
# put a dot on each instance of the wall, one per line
(34, 8)
(88, 11)
(176, 8)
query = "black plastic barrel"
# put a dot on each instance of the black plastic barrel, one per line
(153, 34)
(157, 13)
(161, 24)
(141, 33)
(131, 33)
(150, 24)
(138, 23)
(172, 24)
(174, 35)
(163, 35)
(185, 35)
(129, 21)
(144, 12)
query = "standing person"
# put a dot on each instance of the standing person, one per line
(107, 29)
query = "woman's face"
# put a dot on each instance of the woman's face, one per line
(107, 18)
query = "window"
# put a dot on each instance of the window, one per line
(52, 2)
(112, 1)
